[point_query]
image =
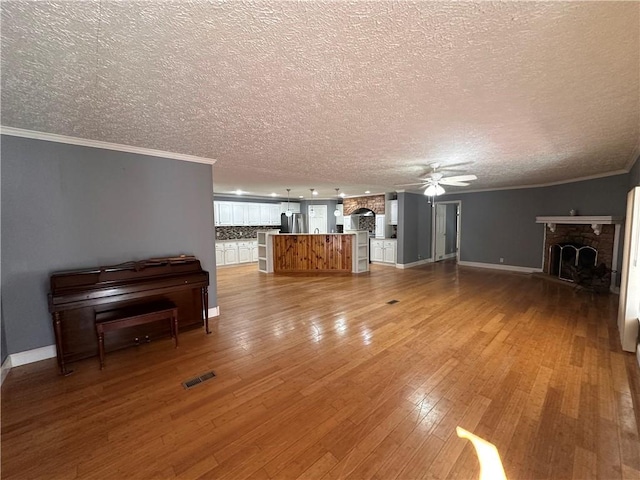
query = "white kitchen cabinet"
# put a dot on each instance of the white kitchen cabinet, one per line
(274, 215)
(380, 226)
(253, 213)
(223, 213)
(239, 213)
(244, 252)
(230, 253)
(293, 206)
(219, 255)
(392, 212)
(383, 251)
(390, 251)
(377, 250)
(254, 251)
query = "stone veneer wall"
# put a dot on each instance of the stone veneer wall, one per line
(582, 234)
(374, 202)
(236, 233)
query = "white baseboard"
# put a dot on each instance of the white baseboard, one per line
(42, 353)
(30, 356)
(498, 266)
(4, 370)
(414, 264)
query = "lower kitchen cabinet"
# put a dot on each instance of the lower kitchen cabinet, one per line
(235, 252)
(383, 251)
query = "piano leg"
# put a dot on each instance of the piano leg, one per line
(57, 325)
(205, 309)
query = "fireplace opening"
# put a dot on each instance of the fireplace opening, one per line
(567, 258)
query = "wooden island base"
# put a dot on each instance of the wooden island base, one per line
(330, 253)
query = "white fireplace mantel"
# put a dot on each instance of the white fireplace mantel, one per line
(596, 221)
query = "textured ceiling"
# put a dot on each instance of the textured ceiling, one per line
(350, 94)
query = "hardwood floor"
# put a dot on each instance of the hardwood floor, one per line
(320, 377)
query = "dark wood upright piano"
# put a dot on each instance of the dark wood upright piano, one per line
(76, 296)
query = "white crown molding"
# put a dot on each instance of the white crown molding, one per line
(494, 266)
(52, 137)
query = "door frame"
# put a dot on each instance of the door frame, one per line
(326, 213)
(458, 227)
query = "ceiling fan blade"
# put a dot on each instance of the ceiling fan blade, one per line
(460, 178)
(452, 166)
(445, 181)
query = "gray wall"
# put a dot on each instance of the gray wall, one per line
(66, 207)
(414, 228)
(502, 223)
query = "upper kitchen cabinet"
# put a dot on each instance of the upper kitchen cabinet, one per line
(392, 212)
(223, 213)
(293, 206)
(246, 214)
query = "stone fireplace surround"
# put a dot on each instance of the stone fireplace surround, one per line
(599, 232)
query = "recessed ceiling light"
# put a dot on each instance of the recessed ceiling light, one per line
(342, 195)
(274, 194)
(367, 191)
(238, 192)
(301, 196)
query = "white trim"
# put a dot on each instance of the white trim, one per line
(30, 356)
(494, 266)
(52, 137)
(414, 264)
(5, 369)
(213, 312)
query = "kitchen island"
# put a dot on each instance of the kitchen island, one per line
(313, 252)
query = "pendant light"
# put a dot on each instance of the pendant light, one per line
(312, 213)
(288, 213)
(337, 211)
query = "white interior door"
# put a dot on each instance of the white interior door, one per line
(629, 308)
(317, 215)
(441, 230)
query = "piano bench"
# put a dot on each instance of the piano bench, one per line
(111, 320)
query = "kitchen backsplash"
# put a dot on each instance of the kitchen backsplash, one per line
(235, 233)
(367, 223)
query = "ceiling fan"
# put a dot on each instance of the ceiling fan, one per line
(434, 180)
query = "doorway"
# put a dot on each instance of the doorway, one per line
(446, 230)
(317, 218)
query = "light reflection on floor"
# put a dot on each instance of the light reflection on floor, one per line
(488, 456)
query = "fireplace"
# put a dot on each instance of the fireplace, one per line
(582, 249)
(565, 258)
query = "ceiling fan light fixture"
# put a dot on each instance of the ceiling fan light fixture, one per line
(434, 190)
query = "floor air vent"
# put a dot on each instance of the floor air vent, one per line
(391, 302)
(198, 380)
